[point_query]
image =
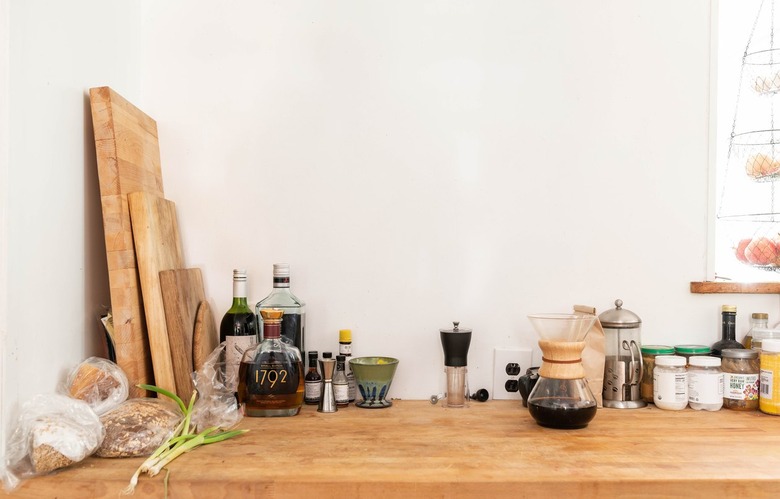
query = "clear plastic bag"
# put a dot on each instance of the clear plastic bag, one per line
(52, 432)
(216, 404)
(98, 382)
(138, 426)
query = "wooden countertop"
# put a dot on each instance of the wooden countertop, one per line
(415, 449)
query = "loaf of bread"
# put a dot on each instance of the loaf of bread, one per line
(137, 427)
(57, 441)
(98, 382)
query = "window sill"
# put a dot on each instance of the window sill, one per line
(709, 287)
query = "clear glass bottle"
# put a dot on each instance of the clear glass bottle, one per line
(705, 384)
(238, 330)
(728, 331)
(340, 383)
(270, 380)
(313, 381)
(294, 324)
(758, 320)
(740, 379)
(670, 383)
(345, 349)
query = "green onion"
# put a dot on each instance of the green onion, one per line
(181, 442)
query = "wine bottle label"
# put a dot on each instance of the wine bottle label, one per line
(274, 378)
(740, 386)
(341, 393)
(312, 391)
(235, 346)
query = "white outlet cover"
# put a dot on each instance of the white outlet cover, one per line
(502, 357)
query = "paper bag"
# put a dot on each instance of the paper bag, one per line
(593, 354)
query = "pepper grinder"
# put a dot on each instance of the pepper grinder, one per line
(327, 397)
(455, 343)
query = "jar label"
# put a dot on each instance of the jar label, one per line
(341, 393)
(670, 387)
(766, 384)
(740, 386)
(312, 391)
(705, 388)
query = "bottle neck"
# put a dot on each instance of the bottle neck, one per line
(239, 289)
(729, 326)
(281, 281)
(340, 365)
(272, 330)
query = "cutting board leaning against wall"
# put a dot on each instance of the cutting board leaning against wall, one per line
(128, 160)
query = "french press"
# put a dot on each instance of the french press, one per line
(623, 358)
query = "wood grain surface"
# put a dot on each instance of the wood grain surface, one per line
(157, 247)
(128, 160)
(182, 292)
(492, 449)
(206, 337)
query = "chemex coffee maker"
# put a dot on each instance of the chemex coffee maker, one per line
(623, 358)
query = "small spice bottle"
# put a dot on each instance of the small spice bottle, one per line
(670, 383)
(649, 353)
(689, 351)
(705, 384)
(769, 393)
(758, 320)
(740, 379)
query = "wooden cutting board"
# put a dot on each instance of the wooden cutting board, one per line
(158, 247)
(128, 160)
(206, 337)
(182, 293)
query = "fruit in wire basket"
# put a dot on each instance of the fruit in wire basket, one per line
(739, 251)
(761, 251)
(761, 165)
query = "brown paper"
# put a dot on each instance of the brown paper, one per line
(593, 354)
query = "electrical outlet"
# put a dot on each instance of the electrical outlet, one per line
(507, 362)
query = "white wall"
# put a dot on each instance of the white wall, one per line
(415, 162)
(52, 236)
(423, 162)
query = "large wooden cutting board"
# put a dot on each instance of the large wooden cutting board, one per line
(158, 247)
(182, 293)
(128, 160)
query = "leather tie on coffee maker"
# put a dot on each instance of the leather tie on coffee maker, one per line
(562, 359)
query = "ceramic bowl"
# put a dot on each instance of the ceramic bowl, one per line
(373, 376)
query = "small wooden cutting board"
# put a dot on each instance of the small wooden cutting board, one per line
(182, 293)
(157, 247)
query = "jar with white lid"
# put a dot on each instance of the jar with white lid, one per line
(670, 383)
(705, 384)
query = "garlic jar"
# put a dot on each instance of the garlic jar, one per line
(740, 379)
(705, 384)
(670, 383)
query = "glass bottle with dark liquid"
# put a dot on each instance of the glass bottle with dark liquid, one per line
(561, 397)
(270, 379)
(238, 330)
(281, 297)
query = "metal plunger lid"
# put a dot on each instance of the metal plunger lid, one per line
(455, 343)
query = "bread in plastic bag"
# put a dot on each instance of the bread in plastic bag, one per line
(99, 382)
(52, 432)
(216, 404)
(138, 426)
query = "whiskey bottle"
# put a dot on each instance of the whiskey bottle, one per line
(270, 380)
(345, 349)
(313, 381)
(238, 330)
(294, 324)
(340, 383)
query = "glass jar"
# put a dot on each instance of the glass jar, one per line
(740, 379)
(649, 353)
(758, 320)
(689, 351)
(761, 334)
(705, 384)
(670, 383)
(769, 383)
